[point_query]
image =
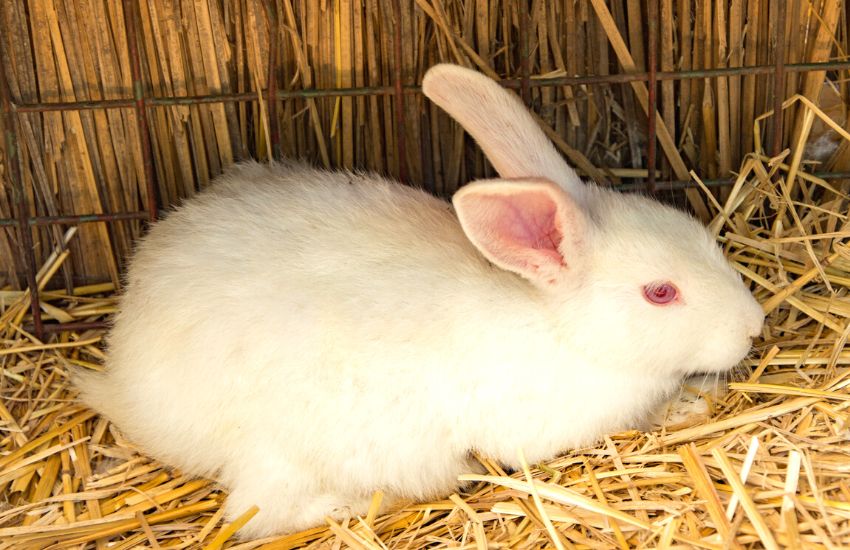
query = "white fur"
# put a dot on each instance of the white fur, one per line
(308, 337)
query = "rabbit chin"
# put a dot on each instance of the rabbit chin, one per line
(717, 360)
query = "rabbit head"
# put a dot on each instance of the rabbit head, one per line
(631, 282)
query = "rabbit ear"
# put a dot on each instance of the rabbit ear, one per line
(531, 227)
(500, 123)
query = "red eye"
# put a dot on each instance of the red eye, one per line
(660, 293)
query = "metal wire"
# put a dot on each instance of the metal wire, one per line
(25, 244)
(652, 84)
(409, 89)
(778, 80)
(398, 90)
(140, 103)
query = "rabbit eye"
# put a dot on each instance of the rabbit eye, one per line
(660, 293)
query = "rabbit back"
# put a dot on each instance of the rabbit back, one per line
(252, 313)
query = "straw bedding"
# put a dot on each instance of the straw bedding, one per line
(768, 464)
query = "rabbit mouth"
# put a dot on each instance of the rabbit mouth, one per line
(707, 372)
(731, 372)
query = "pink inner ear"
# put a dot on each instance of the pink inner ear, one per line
(527, 220)
(520, 229)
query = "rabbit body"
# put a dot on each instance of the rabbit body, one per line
(309, 337)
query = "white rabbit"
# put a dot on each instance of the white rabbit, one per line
(309, 337)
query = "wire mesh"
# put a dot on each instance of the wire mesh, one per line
(142, 101)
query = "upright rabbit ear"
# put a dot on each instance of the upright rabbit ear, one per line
(531, 227)
(500, 123)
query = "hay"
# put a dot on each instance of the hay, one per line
(768, 466)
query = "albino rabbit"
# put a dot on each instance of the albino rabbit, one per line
(309, 337)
